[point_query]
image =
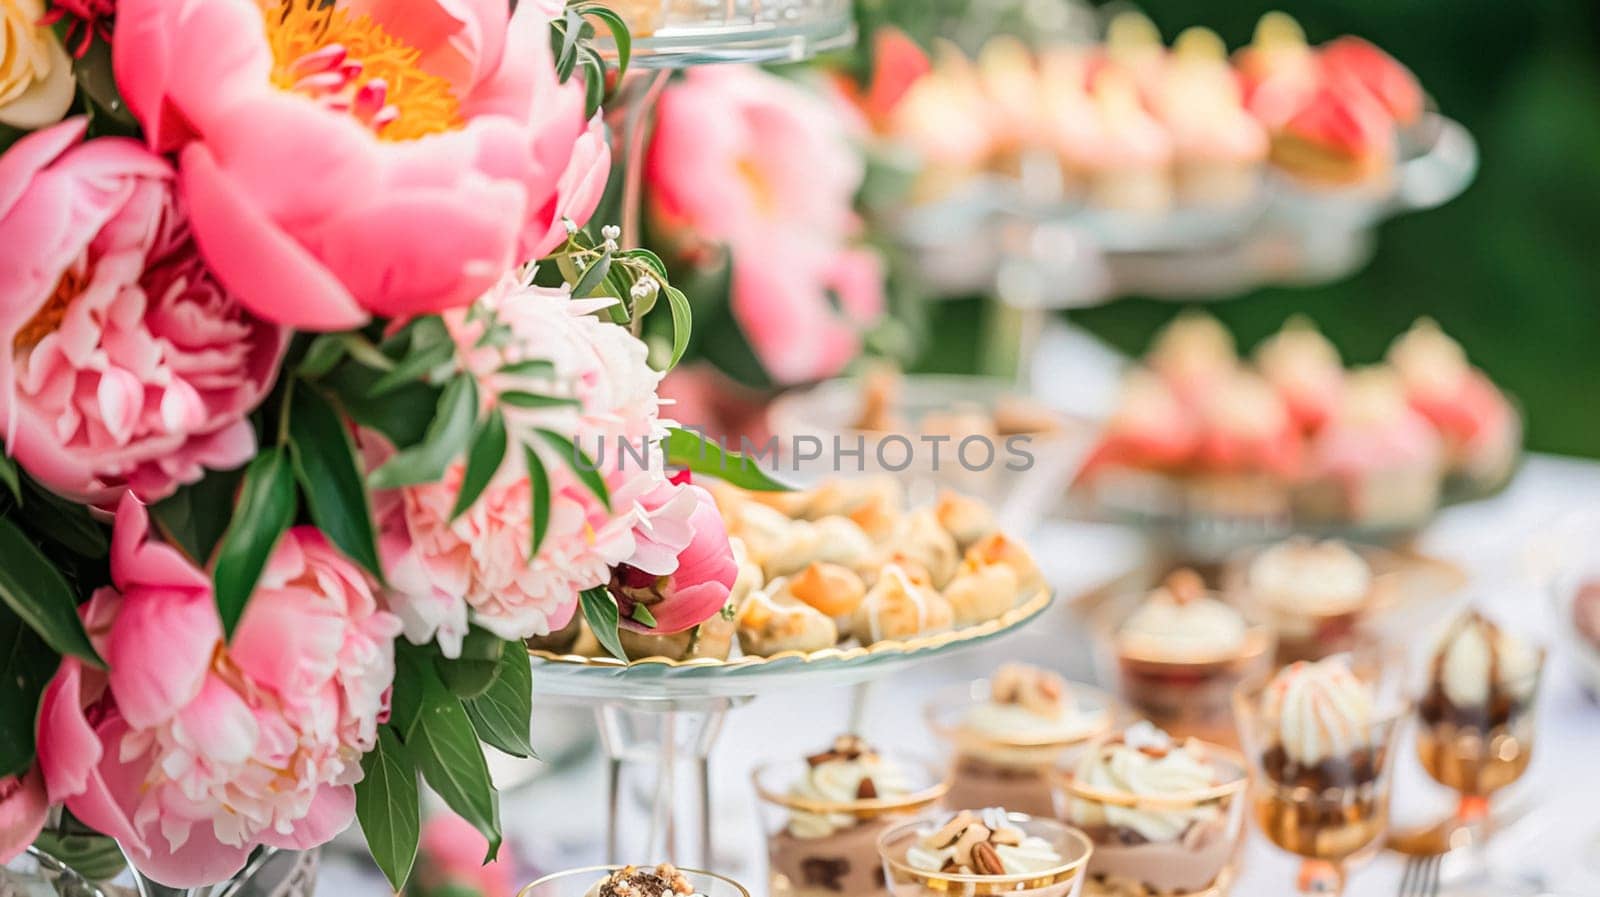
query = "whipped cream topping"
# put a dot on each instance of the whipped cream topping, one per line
(1028, 705)
(982, 843)
(1299, 359)
(1429, 361)
(1193, 347)
(1476, 657)
(849, 772)
(1145, 762)
(1321, 710)
(1245, 404)
(1322, 578)
(1179, 623)
(636, 881)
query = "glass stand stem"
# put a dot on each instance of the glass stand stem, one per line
(653, 748)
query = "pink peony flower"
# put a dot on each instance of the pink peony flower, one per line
(192, 750)
(364, 157)
(23, 807)
(451, 856)
(128, 366)
(702, 574)
(476, 567)
(739, 152)
(784, 300)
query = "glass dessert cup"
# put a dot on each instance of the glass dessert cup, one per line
(1011, 771)
(1333, 815)
(843, 857)
(581, 882)
(1065, 880)
(1197, 862)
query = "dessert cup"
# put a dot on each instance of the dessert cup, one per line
(1332, 813)
(994, 769)
(1198, 832)
(1065, 880)
(583, 882)
(1313, 622)
(1186, 690)
(834, 849)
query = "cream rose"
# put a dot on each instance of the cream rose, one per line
(36, 83)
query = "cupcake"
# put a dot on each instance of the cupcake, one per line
(1278, 70)
(1313, 593)
(942, 120)
(1479, 426)
(1249, 450)
(771, 621)
(1010, 84)
(1180, 655)
(1009, 732)
(1128, 168)
(1133, 45)
(902, 604)
(1477, 720)
(1306, 371)
(987, 852)
(1194, 353)
(1149, 430)
(1166, 817)
(826, 813)
(1376, 462)
(1219, 148)
(1354, 64)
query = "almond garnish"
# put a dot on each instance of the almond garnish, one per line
(1008, 836)
(950, 831)
(1185, 585)
(975, 834)
(866, 790)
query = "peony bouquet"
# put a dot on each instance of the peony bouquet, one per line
(317, 400)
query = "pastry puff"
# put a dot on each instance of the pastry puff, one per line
(966, 519)
(834, 540)
(981, 592)
(772, 621)
(920, 538)
(846, 495)
(834, 590)
(902, 604)
(995, 548)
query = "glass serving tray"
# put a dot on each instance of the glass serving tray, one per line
(681, 33)
(661, 679)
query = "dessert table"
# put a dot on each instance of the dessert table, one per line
(1505, 545)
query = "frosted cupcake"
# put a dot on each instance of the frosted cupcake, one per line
(1219, 148)
(1315, 595)
(1376, 462)
(1306, 371)
(1481, 430)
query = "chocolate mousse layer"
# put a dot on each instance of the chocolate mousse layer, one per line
(844, 862)
(982, 783)
(1192, 862)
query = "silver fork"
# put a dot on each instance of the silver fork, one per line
(1421, 876)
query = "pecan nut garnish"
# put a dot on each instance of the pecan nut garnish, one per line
(986, 860)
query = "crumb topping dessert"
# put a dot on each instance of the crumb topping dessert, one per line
(638, 881)
(850, 770)
(1321, 578)
(1030, 705)
(1324, 716)
(981, 843)
(1481, 674)
(1179, 623)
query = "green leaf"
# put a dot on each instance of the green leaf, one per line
(8, 475)
(473, 672)
(533, 367)
(412, 368)
(580, 462)
(388, 807)
(682, 323)
(326, 351)
(37, 592)
(411, 669)
(539, 489)
(364, 352)
(195, 517)
(65, 523)
(620, 35)
(483, 460)
(503, 715)
(600, 609)
(447, 751)
(650, 260)
(26, 665)
(643, 616)
(95, 857)
(519, 399)
(330, 476)
(265, 510)
(445, 440)
(594, 79)
(687, 449)
(402, 416)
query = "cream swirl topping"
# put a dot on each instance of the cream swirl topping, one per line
(1030, 705)
(1179, 623)
(851, 771)
(981, 843)
(1323, 578)
(1476, 655)
(1145, 762)
(1428, 360)
(1321, 710)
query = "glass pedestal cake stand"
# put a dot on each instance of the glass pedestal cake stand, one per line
(659, 719)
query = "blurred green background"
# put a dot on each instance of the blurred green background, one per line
(1511, 268)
